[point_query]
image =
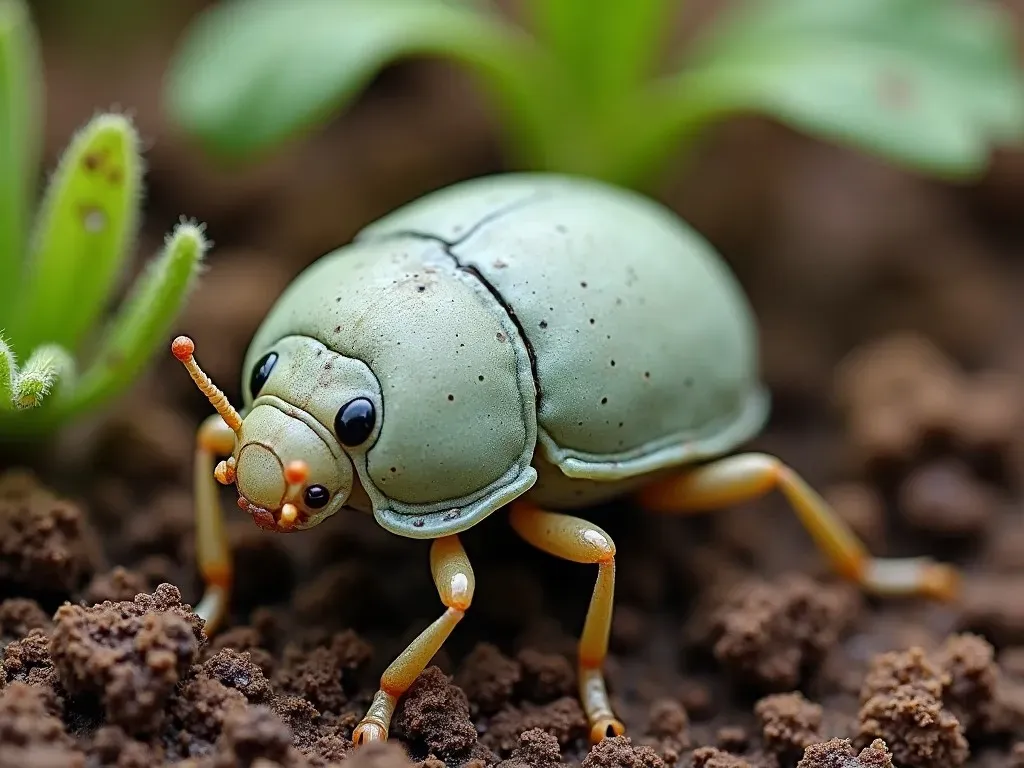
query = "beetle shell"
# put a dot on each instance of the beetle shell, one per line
(522, 322)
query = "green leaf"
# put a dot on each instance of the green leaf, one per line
(85, 226)
(929, 83)
(252, 74)
(21, 119)
(601, 49)
(145, 320)
(46, 368)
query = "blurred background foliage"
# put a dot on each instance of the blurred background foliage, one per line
(838, 233)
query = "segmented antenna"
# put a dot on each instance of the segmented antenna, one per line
(183, 348)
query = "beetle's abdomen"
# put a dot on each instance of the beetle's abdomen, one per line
(645, 347)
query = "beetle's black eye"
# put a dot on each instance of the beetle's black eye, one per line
(354, 421)
(261, 372)
(316, 496)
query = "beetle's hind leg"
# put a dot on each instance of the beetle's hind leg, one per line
(455, 582)
(213, 554)
(743, 477)
(574, 539)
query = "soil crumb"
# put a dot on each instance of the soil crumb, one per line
(839, 753)
(47, 546)
(131, 655)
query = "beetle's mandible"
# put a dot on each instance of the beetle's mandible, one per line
(535, 341)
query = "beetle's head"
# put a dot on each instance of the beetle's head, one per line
(285, 464)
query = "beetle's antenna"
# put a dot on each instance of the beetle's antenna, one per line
(183, 348)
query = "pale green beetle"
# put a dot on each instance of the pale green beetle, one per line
(532, 340)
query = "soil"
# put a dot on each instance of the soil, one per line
(893, 346)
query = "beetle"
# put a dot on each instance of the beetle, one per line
(535, 341)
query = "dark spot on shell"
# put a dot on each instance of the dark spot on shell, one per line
(91, 161)
(583, 284)
(622, 424)
(394, 469)
(328, 365)
(417, 523)
(499, 264)
(579, 423)
(337, 329)
(499, 336)
(421, 288)
(480, 377)
(452, 514)
(591, 321)
(451, 398)
(543, 323)
(319, 352)
(604, 401)
(647, 374)
(613, 363)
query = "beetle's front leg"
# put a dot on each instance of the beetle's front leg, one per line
(579, 541)
(213, 554)
(743, 477)
(453, 577)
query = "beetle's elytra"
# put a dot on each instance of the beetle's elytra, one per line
(531, 340)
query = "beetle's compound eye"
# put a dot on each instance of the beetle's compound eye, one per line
(316, 496)
(354, 421)
(261, 372)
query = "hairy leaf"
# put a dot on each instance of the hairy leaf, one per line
(85, 226)
(145, 319)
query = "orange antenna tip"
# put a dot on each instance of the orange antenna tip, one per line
(183, 348)
(296, 472)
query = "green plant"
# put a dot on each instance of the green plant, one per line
(59, 272)
(931, 84)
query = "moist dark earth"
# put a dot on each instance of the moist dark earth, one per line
(892, 341)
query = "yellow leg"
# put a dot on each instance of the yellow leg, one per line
(213, 439)
(453, 577)
(579, 541)
(747, 476)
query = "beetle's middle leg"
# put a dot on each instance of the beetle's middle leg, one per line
(455, 582)
(579, 541)
(743, 477)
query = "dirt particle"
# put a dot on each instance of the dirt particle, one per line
(789, 724)
(129, 654)
(620, 752)
(562, 718)
(434, 714)
(710, 757)
(669, 724)
(322, 674)
(30, 734)
(944, 498)
(902, 706)
(971, 678)
(499, 336)
(488, 677)
(46, 543)
(116, 585)
(19, 616)
(773, 633)
(839, 753)
(536, 749)
(545, 676)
